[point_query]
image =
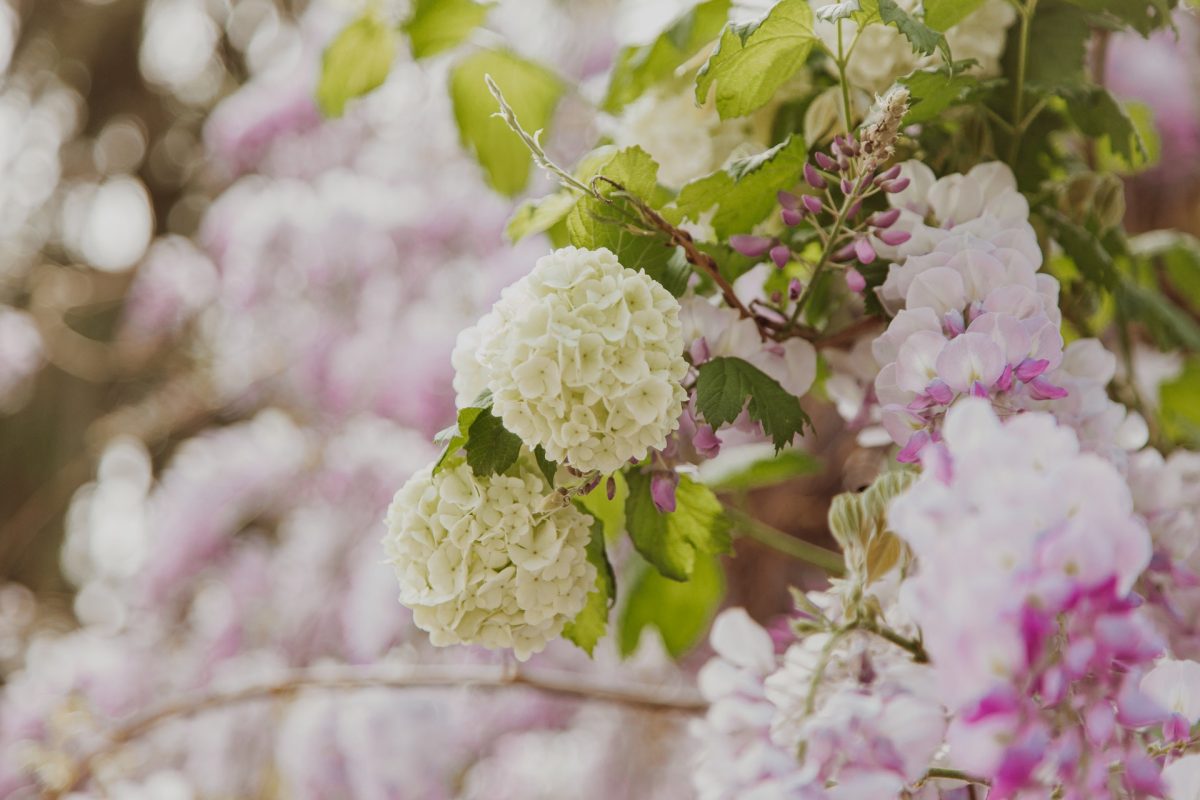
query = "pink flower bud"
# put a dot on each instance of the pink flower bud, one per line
(864, 251)
(787, 199)
(791, 216)
(1005, 381)
(885, 219)
(847, 186)
(979, 390)
(662, 490)
(855, 281)
(825, 161)
(844, 254)
(610, 488)
(699, 351)
(893, 238)
(813, 178)
(781, 255)
(1041, 389)
(812, 203)
(706, 442)
(939, 391)
(751, 246)
(1030, 368)
(890, 175)
(794, 289)
(853, 210)
(899, 185)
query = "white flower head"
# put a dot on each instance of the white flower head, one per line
(485, 560)
(583, 357)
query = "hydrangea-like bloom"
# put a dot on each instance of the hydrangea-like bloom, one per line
(1042, 629)
(488, 561)
(583, 357)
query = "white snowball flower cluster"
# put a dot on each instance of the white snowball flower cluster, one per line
(882, 54)
(485, 560)
(583, 357)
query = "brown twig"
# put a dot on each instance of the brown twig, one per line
(682, 699)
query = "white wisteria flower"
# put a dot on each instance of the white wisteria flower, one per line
(583, 357)
(489, 560)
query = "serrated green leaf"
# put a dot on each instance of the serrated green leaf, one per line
(593, 224)
(590, 625)
(610, 512)
(355, 63)
(1170, 326)
(924, 39)
(490, 447)
(543, 213)
(941, 15)
(1177, 253)
(933, 91)
(759, 472)
(723, 387)
(674, 541)
(435, 26)
(752, 61)
(531, 90)
(455, 437)
(680, 611)
(1179, 405)
(744, 192)
(640, 67)
(1145, 134)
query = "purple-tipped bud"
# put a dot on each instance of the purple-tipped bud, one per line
(751, 246)
(662, 490)
(845, 253)
(843, 162)
(813, 178)
(610, 488)
(794, 289)
(855, 281)
(812, 203)
(825, 161)
(791, 216)
(978, 389)
(885, 219)
(890, 175)
(1030, 368)
(939, 391)
(893, 238)
(899, 185)
(1041, 389)
(853, 210)
(1005, 381)
(851, 144)
(847, 186)
(788, 200)
(863, 250)
(781, 255)
(776, 297)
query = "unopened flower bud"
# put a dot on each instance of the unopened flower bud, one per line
(751, 246)
(662, 490)
(847, 186)
(885, 219)
(794, 289)
(610, 487)
(706, 442)
(845, 253)
(813, 178)
(812, 203)
(787, 199)
(890, 175)
(864, 251)
(855, 281)
(825, 161)
(791, 216)
(853, 210)
(781, 255)
(898, 185)
(893, 237)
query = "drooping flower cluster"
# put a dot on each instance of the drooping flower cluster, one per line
(489, 560)
(1042, 631)
(583, 357)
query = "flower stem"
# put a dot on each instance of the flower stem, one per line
(1019, 121)
(841, 60)
(913, 646)
(776, 539)
(951, 775)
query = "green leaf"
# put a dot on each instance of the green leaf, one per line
(744, 192)
(1140, 15)
(590, 625)
(680, 611)
(594, 224)
(355, 63)
(542, 214)
(610, 512)
(674, 542)
(548, 468)
(752, 61)
(1179, 404)
(489, 447)
(638, 68)
(531, 90)
(725, 384)
(1100, 116)
(1083, 247)
(438, 25)
(1177, 253)
(941, 15)
(1058, 37)
(933, 91)
(1145, 134)
(1170, 326)
(924, 39)
(760, 472)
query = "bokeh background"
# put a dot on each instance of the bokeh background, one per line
(225, 327)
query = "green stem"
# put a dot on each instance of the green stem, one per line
(842, 58)
(830, 243)
(952, 775)
(913, 646)
(776, 539)
(1026, 13)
